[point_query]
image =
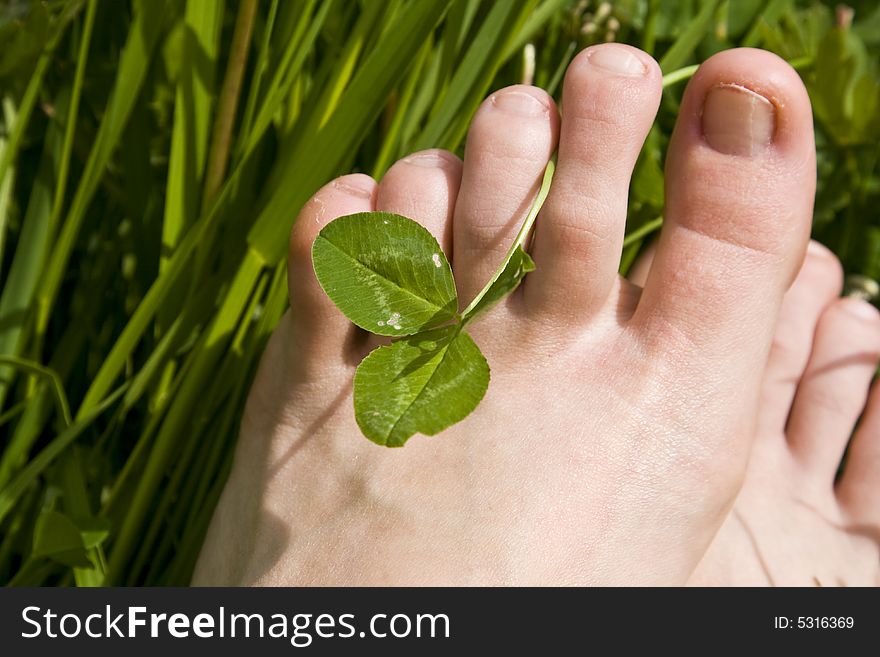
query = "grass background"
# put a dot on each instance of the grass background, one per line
(154, 154)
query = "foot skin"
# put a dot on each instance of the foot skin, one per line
(802, 519)
(617, 427)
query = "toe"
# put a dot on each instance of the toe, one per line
(740, 177)
(817, 285)
(424, 187)
(315, 319)
(509, 144)
(833, 390)
(859, 489)
(611, 94)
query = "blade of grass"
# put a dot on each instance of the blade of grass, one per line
(456, 28)
(221, 137)
(193, 107)
(33, 572)
(690, 38)
(137, 324)
(7, 181)
(535, 20)
(298, 47)
(133, 64)
(147, 374)
(51, 376)
(37, 415)
(10, 414)
(771, 11)
(25, 434)
(475, 73)
(320, 154)
(273, 308)
(649, 34)
(204, 359)
(181, 573)
(390, 144)
(341, 76)
(427, 93)
(196, 515)
(117, 501)
(260, 67)
(71, 120)
(227, 378)
(18, 530)
(40, 223)
(13, 490)
(30, 253)
(32, 92)
(77, 505)
(339, 70)
(556, 79)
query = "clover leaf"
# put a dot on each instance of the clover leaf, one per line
(388, 275)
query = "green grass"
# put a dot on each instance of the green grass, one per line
(154, 154)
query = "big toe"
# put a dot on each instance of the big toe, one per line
(740, 184)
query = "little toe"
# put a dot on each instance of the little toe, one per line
(509, 144)
(817, 285)
(611, 94)
(317, 323)
(833, 390)
(740, 181)
(424, 186)
(859, 488)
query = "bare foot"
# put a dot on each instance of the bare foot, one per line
(799, 520)
(618, 423)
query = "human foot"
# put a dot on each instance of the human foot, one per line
(797, 521)
(618, 423)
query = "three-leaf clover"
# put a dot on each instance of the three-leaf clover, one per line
(389, 276)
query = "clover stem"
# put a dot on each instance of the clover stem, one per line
(520, 237)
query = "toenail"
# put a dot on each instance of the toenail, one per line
(428, 159)
(616, 59)
(738, 121)
(354, 187)
(519, 102)
(861, 309)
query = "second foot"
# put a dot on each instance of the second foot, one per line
(809, 511)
